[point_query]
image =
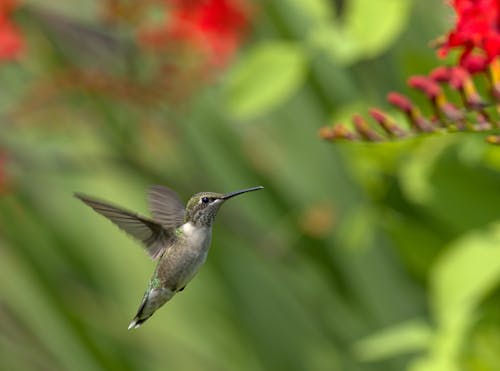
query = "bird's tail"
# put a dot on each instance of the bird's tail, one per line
(141, 315)
(152, 300)
(137, 322)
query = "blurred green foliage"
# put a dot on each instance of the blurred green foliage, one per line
(355, 257)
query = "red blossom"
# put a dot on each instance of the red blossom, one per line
(11, 42)
(389, 126)
(458, 77)
(476, 33)
(426, 85)
(7, 6)
(338, 131)
(440, 74)
(213, 27)
(364, 130)
(400, 101)
(474, 63)
(477, 36)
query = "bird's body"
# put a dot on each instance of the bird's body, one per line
(180, 263)
(179, 238)
(176, 267)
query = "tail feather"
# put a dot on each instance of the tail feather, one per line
(137, 322)
(152, 300)
(133, 324)
(140, 317)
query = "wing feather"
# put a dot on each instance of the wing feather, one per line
(152, 234)
(166, 207)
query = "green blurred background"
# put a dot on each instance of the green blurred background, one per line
(354, 257)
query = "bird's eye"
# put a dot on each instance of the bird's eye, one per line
(205, 200)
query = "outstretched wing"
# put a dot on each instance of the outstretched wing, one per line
(154, 237)
(166, 207)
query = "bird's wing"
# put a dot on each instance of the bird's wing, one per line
(166, 207)
(154, 237)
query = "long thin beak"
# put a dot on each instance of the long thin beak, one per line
(236, 193)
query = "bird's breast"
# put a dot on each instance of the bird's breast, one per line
(197, 239)
(184, 258)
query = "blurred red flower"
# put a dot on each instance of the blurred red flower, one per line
(477, 32)
(213, 27)
(11, 41)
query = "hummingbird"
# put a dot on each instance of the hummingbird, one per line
(177, 236)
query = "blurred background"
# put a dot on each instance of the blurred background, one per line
(354, 257)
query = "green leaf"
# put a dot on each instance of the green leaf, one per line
(466, 273)
(464, 192)
(459, 281)
(368, 29)
(316, 11)
(376, 24)
(407, 337)
(415, 176)
(335, 43)
(264, 78)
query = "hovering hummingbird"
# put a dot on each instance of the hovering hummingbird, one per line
(179, 237)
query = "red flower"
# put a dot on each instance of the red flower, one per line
(213, 27)
(477, 32)
(477, 35)
(7, 6)
(11, 42)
